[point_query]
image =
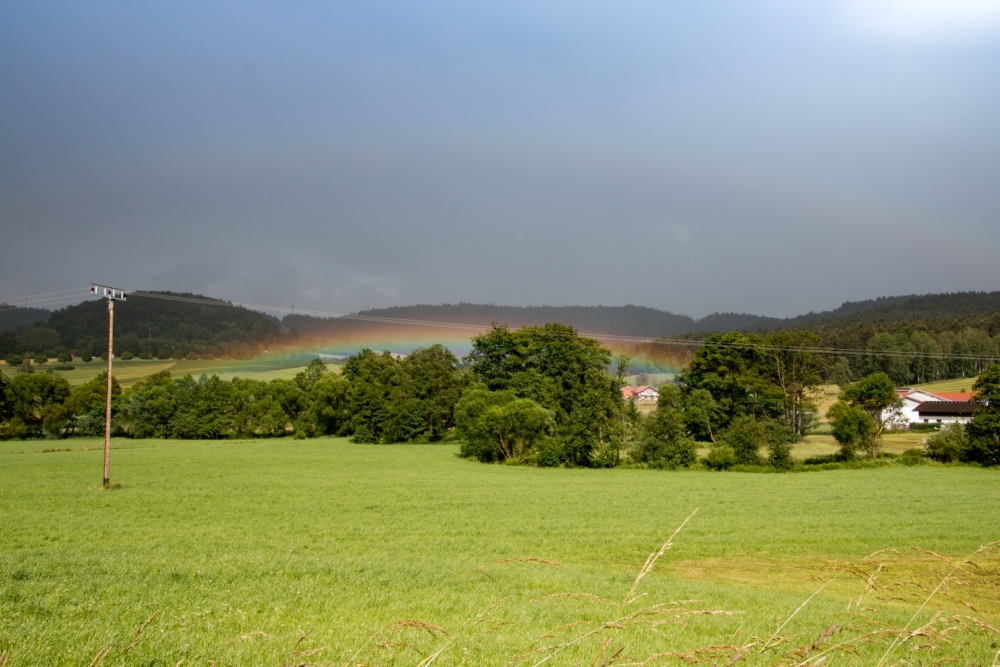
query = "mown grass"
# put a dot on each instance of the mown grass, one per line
(240, 548)
(131, 371)
(955, 384)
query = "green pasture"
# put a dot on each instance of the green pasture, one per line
(956, 384)
(131, 371)
(241, 548)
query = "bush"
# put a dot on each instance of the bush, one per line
(86, 356)
(948, 445)
(748, 435)
(721, 457)
(14, 360)
(65, 357)
(664, 442)
(925, 428)
(549, 454)
(146, 356)
(912, 457)
(41, 359)
(126, 356)
(192, 356)
(164, 354)
(63, 367)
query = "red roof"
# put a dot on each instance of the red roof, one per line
(955, 396)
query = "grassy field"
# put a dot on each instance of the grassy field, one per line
(131, 371)
(958, 384)
(239, 549)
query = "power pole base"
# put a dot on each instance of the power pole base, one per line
(107, 483)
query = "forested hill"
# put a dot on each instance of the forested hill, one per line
(615, 320)
(649, 322)
(14, 317)
(148, 326)
(162, 327)
(149, 318)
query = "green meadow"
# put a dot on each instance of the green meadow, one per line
(282, 552)
(129, 372)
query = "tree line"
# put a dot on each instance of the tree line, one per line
(538, 396)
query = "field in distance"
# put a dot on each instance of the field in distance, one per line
(241, 548)
(131, 371)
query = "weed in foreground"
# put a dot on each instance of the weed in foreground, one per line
(629, 634)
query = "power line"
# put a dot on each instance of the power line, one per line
(42, 303)
(32, 296)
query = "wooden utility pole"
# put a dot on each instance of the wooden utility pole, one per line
(112, 294)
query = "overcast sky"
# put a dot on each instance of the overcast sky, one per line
(766, 157)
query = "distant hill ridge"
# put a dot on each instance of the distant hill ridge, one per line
(631, 320)
(181, 323)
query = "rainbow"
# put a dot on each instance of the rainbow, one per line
(403, 338)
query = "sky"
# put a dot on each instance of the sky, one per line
(773, 157)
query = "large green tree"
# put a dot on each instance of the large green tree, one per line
(984, 429)
(33, 401)
(794, 370)
(876, 395)
(733, 369)
(563, 372)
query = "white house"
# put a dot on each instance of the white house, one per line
(643, 393)
(646, 393)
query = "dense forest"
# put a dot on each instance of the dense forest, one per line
(148, 327)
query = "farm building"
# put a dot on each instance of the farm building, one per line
(914, 398)
(643, 393)
(946, 412)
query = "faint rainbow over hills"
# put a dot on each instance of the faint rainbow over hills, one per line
(404, 338)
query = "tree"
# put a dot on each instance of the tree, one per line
(476, 439)
(305, 379)
(498, 426)
(852, 427)
(372, 377)
(32, 400)
(665, 442)
(516, 427)
(748, 435)
(701, 414)
(434, 385)
(876, 395)
(331, 405)
(795, 372)
(146, 409)
(732, 368)
(984, 429)
(563, 372)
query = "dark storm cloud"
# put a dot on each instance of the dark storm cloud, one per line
(340, 156)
